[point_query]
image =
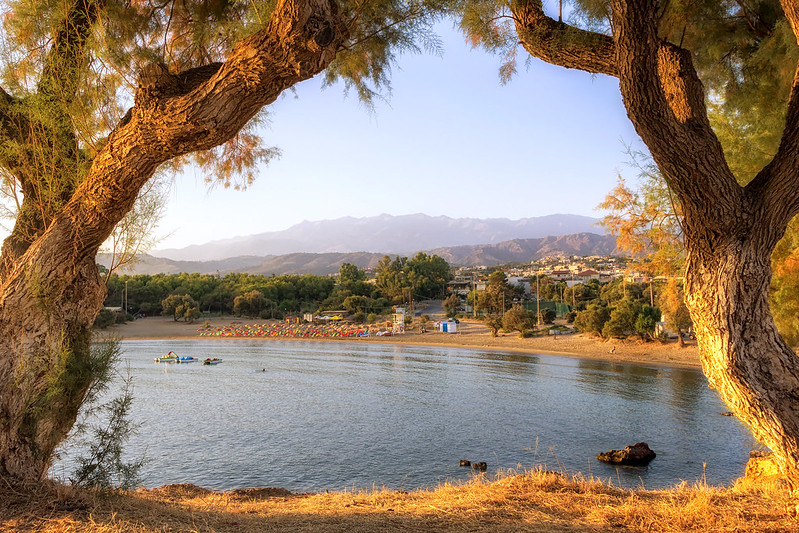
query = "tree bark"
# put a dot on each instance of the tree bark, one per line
(743, 356)
(730, 231)
(52, 292)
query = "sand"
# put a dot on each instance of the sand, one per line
(472, 334)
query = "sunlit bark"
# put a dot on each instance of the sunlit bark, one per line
(52, 291)
(730, 231)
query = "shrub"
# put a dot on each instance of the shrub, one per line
(105, 318)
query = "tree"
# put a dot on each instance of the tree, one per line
(135, 233)
(494, 323)
(647, 222)
(646, 321)
(196, 75)
(498, 294)
(517, 318)
(428, 275)
(392, 279)
(664, 54)
(622, 319)
(547, 315)
(251, 304)
(592, 319)
(180, 306)
(672, 302)
(451, 304)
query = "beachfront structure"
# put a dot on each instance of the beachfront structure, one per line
(399, 320)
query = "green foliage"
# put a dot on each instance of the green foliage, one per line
(250, 304)
(646, 321)
(180, 306)
(621, 322)
(355, 304)
(592, 319)
(105, 318)
(785, 284)
(349, 274)
(517, 318)
(104, 467)
(547, 315)
(451, 304)
(498, 295)
(421, 277)
(103, 428)
(380, 31)
(494, 323)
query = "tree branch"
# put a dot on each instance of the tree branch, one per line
(777, 185)
(170, 119)
(665, 101)
(560, 44)
(63, 67)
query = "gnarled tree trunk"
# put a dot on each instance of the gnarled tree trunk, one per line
(730, 231)
(51, 290)
(743, 356)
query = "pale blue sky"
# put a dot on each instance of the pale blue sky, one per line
(451, 140)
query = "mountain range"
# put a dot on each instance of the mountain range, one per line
(384, 234)
(512, 251)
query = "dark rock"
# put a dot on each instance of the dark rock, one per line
(637, 454)
(465, 462)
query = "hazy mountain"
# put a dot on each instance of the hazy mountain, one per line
(384, 234)
(513, 251)
(525, 250)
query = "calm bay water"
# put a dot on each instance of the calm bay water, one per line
(310, 416)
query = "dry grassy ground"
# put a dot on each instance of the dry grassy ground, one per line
(535, 501)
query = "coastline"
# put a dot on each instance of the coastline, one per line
(472, 335)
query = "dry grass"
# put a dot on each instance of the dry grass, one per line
(534, 501)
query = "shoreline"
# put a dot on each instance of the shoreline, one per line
(472, 335)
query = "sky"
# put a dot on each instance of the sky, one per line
(449, 140)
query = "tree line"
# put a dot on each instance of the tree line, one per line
(188, 296)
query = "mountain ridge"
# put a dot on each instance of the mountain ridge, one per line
(403, 234)
(511, 251)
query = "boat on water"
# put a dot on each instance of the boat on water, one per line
(171, 357)
(212, 361)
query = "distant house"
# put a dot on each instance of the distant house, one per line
(587, 275)
(461, 287)
(519, 280)
(560, 275)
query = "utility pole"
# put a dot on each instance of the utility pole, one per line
(537, 301)
(573, 290)
(126, 299)
(474, 300)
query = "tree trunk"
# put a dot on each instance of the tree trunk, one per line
(730, 231)
(743, 356)
(51, 290)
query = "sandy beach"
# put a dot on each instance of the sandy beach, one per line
(472, 334)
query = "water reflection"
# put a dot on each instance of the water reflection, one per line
(338, 415)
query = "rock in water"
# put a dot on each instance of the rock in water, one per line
(637, 454)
